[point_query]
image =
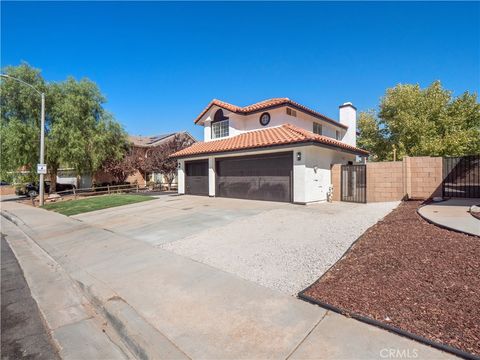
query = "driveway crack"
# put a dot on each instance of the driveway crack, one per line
(306, 336)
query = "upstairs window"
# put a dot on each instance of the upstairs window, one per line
(220, 125)
(337, 134)
(291, 112)
(220, 129)
(317, 128)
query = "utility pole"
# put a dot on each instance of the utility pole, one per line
(42, 150)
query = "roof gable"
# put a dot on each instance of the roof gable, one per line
(265, 105)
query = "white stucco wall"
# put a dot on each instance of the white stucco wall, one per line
(239, 124)
(311, 174)
(181, 176)
(348, 116)
(318, 171)
(211, 176)
(207, 131)
(279, 117)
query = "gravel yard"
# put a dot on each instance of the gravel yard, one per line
(286, 248)
(413, 275)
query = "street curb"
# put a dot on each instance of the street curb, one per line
(82, 320)
(141, 338)
(134, 332)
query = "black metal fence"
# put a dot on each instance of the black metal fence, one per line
(354, 183)
(461, 176)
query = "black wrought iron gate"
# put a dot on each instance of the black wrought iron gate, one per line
(461, 176)
(354, 183)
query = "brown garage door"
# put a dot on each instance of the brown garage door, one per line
(258, 177)
(196, 177)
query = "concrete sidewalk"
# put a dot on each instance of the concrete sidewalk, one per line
(453, 214)
(77, 331)
(166, 306)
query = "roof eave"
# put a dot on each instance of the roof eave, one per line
(291, 144)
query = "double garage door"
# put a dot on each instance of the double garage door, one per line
(258, 177)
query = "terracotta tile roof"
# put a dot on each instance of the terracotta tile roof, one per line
(267, 104)
(280, 135)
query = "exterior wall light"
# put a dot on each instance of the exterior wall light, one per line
(299, 156)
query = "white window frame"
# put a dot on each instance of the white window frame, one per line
(220, 129)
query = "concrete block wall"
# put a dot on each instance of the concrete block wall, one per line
(411, 178)
(425, 175)
(385, 181)
(336, 181)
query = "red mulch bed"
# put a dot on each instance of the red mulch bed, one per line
(411, 274)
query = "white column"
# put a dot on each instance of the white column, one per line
(211, 176)
(181, 177)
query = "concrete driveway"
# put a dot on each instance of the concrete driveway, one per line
(282, 246)
(158, 304)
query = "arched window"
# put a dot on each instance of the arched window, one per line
(219, 125)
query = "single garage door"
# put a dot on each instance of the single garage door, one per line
(196, 177)
(258, 177)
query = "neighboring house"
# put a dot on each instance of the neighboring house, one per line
(274, 150)
(143, 145)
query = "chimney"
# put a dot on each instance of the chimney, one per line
(348, 117)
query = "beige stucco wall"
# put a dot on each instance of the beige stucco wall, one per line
(136, 178)
(7, 190)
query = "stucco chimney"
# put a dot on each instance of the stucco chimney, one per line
(348, 117)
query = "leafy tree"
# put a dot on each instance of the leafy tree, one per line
(83, 135)
(79, 132)
(20, 120)
(121, 169)
(158, 158)
(421, 122)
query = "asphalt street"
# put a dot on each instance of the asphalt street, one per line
(23, 332)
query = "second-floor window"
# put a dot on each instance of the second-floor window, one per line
(220, 125)
(317, 128)
(337, 134)
(291, 112)
(220, 129)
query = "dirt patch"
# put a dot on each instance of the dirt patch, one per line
(413, 275)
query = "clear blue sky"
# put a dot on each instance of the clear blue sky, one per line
(159, 64)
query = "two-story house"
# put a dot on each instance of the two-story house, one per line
(274, 150)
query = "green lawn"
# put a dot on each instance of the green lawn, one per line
(74, 207)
